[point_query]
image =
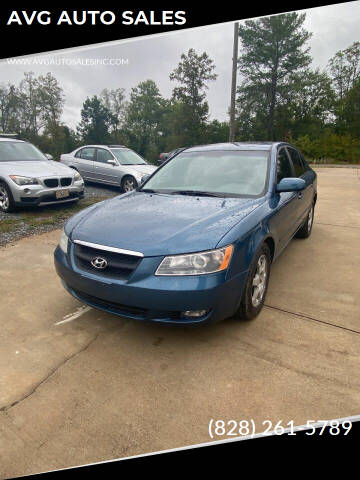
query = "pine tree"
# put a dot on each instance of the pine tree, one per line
(273, 52)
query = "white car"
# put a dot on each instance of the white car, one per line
(28, 177)
(109, 164)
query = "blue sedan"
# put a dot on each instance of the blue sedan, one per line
(195, 242)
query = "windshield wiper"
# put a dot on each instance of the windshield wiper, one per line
(196, 193)
(148, 190)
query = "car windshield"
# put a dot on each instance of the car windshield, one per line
(127, 157)
(17, 151)
(221, 173)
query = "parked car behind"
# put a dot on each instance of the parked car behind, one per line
(109, 164)
(28, 178)
(195, 243)
(166, 155)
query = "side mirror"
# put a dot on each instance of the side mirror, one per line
(49, 156)
(290, 185)
(112, 162)
(144, 178)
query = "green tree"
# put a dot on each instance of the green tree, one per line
(193, 73)
(143, 118)
(344, 68)
(40, 103)
(115, 101)
(9, 106)
(95, 123)
(307, 108)
(351, 111)
(273, 52)
(217, 132)
(51, 99)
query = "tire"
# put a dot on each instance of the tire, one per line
(252, 303)
(128, 183)
(7, 203)
(305, 230)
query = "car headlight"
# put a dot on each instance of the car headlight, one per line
(24, 180)
(63, 242)
(77, 177)
(196, 263)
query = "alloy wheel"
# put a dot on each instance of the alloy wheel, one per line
(129, 185)
(310, 218)
(259, 281)
(4, 198)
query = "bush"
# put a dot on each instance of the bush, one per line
(330, 148)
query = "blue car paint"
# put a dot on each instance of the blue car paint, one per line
(291, 185)
(158, 225)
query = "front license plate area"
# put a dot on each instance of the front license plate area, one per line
(62, 194)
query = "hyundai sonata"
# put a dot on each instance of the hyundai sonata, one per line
(195, 242)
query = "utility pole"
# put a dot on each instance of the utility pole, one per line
(233, 83)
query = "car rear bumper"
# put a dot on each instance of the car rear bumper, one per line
(151, 298)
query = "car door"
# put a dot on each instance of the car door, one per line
(106, 172)
(284, 203)
(84, 162)
(304, 197)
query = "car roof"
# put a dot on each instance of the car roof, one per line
(10, 139)
(104, 146)
(266, 146)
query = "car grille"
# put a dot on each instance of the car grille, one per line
(116, 307)
(119, 266)
(127, 310)
(51, 182)
(65, 182)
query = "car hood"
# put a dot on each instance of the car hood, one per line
(158, 224)
(142, 169)
(46, 168)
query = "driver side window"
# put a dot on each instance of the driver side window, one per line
(283, 167)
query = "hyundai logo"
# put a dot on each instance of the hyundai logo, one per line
(99, 263)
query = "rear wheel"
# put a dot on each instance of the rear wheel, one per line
(256, 285)
(305, 230)
(128, 183)
(7, 203)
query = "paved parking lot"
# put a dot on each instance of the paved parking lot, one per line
(79, 386)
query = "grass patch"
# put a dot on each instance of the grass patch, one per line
(8, 225)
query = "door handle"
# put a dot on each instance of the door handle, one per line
(300, 195)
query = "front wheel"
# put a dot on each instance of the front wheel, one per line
(305, 230)
(128, 183)
(256, 285)
(7, 204)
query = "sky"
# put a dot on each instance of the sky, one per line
(334, 28)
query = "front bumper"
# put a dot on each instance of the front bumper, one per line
(35, 195)
(147, 297)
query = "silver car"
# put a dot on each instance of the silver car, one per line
(28, 177)
(110, 164)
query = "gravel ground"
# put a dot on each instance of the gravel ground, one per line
(94, 189)
(44, 219)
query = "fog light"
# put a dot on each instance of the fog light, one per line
(194, 313)
(27, 191)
